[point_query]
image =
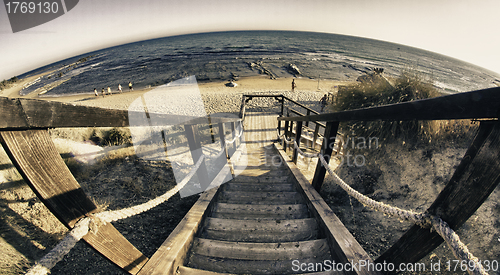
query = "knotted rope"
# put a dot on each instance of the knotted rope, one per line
(83, 226)
(424, 220)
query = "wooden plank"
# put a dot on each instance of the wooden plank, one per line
(260, 251)
(260, 230)
(298, 135)
(184, 270)
(344, 246)
(193, 137)
(472, 182)
(37, 160)
(173, 252)
(21, 113)
(476, 104)
(232, 266)
(248, 211)
(326, 150)
(242, 107)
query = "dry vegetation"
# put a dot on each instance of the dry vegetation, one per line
(411, 164)
(117, 179)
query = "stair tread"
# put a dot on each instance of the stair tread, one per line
(260, 211)
(260, 251)
(260, 230)
(255, 267)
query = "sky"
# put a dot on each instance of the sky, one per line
(463, 29)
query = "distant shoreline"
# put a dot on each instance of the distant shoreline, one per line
(215, 93)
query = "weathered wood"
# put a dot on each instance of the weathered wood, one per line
(193, 137)
(222, 136)
(232, 266)
(315, 136)
(242, 108)
(326, 150)
(173, 252)
(260, 230)
(260, 251)
(21, 113)
(232, 148)
(286, 133)
(268, 198)
(37, 160)
(476, 104)
(251, 211)
(344, 247)
(298, 136)
(184, 270)
(472, 182)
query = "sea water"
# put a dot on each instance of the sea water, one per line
(231, 55)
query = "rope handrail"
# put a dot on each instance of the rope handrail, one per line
(459, 249)
(83, 226)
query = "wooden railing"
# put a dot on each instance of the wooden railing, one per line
(24, 136)
(472, 182)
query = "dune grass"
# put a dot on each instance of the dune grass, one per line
(379, 91)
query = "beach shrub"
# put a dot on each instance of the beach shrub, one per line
(7, 83)
(376, 90)
(117, 136)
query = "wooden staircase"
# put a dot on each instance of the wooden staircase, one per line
(260, 224)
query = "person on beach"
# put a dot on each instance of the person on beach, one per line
(293, 85)
(109, 91)
(95, 92)
(120, 88)
(323, 102)
(130, 86)
(103, 92)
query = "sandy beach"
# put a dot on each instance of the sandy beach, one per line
(217, 97)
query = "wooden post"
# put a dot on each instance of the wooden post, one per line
(242, 108)
(282, 105)
(475, 178)
(326, 150)
(212, 134)
(298, 135)
(308, 113)
(315, 136)
(222, 135)
(233, 136)
(285, 136)
(193, 137)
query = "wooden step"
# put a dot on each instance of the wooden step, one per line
(265, 178)
(251, 187)
(265, 172)
(260, 230)
(260, 251)
(254, 267)
(249, 211)
(184, 270)
(243, 197)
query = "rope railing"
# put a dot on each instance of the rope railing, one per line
(459, 249)
(89, 223)
(83, 226)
